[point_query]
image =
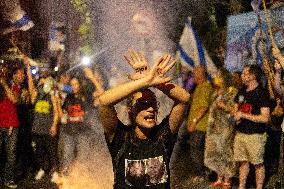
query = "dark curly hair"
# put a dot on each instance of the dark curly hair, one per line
(255, 70)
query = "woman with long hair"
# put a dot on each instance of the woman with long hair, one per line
(74, 134)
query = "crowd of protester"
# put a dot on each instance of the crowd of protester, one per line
(44, 120)
(234, 124)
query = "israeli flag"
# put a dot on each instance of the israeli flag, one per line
(191, 53)
(24, 23)
(19, 20)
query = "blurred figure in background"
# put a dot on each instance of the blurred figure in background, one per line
(198, 120)
(21, 84)
(44, 126)
(279, 61)
(220, 132)
(9, 124)
(74, 134)
(252, 116)
(279, 87)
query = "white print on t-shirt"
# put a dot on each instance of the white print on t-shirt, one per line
(241, 98)
(145, 172)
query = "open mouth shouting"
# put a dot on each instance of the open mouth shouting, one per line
(146, 118)
(150, 118)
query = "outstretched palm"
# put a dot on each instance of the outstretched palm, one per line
(138, 62)
(155, 75)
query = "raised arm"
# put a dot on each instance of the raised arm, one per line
(96, 80)
(9, 93)
(114, 95)
(153, 78)
(277, 79)
(277, 54)
(181, 98)
(54, 126)
(32, 90)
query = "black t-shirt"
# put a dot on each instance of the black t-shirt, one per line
(43, 114)
(142, 163)
(251, 102)
(75, 106)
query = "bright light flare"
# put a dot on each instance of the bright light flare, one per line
(34, 71)
(56, 68)
(86, 60)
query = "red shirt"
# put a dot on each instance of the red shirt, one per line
(8, 110)
(8, 114)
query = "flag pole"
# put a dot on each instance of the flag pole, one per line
(271, 74)
(267, 70)
(268, 21)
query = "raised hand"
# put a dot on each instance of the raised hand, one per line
(136, 59)
(275, 51)
(88, 73)
(138, 62)
(156, 75)
(277, 66)
(53, 130)
(2, 81)
(165, 65)
(26, 60)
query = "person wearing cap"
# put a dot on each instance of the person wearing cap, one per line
(144, 139)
